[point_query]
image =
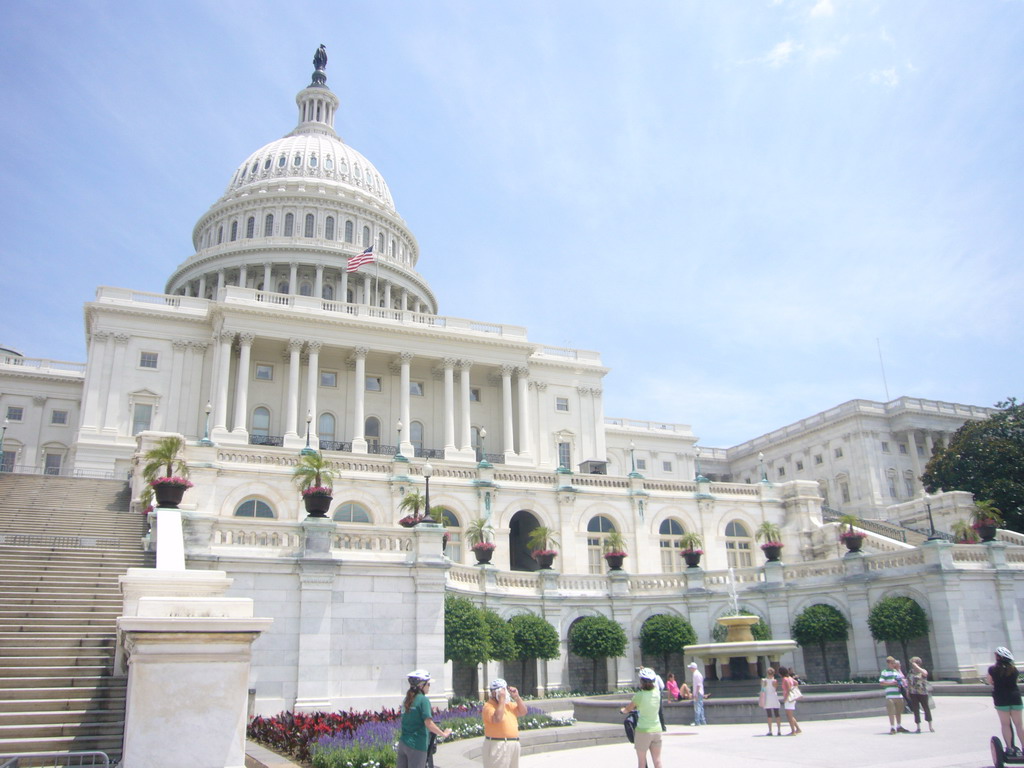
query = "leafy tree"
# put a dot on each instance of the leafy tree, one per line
(465, 631)
(897, 619)
(501, 643)
(597, 637)
(986, 458)
(760, 631)
(664, 634)
(535, 638)
(166, 455)
(820, 624)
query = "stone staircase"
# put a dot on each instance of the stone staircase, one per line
(63, 544)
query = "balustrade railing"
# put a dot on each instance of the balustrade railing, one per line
(273, 440)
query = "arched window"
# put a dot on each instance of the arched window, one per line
(289, 224)
(312, 157)
(843, 483)
(297, 160)
(234, 231)
(268, 225)
(267, 163)
(250, 227)
(282, 287)
(476, 443)
(416, 436)
(391, 249)
(325, 427)
(669, 533)
(281, 161)
(220, 234)
(738, 545)
(366, 237)
(908, 483)
(890, 478)
(597, 530)
(328, 292)
(380, 243)
(305, 288)
(310, 224)
(260, 422)
(454, 531)
(329, 228)
(254, 508)
(373, 434)
(349, 231)
(350, 512)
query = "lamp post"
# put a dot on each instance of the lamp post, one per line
(931, 522)
(696, 458)
(428, 470)
(3, 435)
(309, 420)
(398, 454)
(632, 460)
(206, 430)
(760, 459)
(483, 449)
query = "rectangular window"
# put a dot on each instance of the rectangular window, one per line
(641, 463)
(59, 417)
(474, 394)
(838, 453)
(844, 490)
(51, 464)
(885, 447)
(562, 404)
(148, 359)
(920, 450)
(666, 466)
(328, 378)
(818, 459)
(416, 388)
(264, 372)
(903, 449)
(799, 466)
(142, 417)
(7, 461)
(373, 384)
(564, 458)
(782, 471)
(15, 413)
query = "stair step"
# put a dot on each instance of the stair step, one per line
(80, 742)
(82, 716)
(112, 688)
(12, 661)
(96, 677)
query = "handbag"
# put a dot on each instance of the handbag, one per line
(794, 694)
(630, 724)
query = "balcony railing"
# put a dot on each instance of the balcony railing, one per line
(275, 440)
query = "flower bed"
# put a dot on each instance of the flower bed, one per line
(366, 739)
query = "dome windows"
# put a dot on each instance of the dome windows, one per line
(267, 163)
(329, 163)
(289, 224)
(329, 228)
(297, 162)
(255, 167)
(312, 160)
(250, 227)
(281, 161)
(349, 231)
(234, 231)
(268, 225)
(366, 237)
(310, 225)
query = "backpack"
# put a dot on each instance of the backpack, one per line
(630, 724)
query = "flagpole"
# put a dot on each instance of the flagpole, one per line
(376, 275)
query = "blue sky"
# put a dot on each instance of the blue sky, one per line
(731, 201)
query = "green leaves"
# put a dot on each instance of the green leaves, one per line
(898, 619)
(534, 637)
(818, 624)
(597, 637)
(663, 634)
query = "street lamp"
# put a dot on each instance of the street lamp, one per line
(309, 420)
(696, 454)
(428, 470)
(3, 466)
(398, 454)
(764, 475)
(206, 430)
(931, 522)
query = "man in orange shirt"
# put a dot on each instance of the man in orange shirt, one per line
(501, 727)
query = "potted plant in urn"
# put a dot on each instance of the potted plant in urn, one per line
(691, 552)
(614, 550)
(479, 533)
(963, 532)
(986, 519)
(412, 503)
(315, 479)
(851, 538)
(170, 487)
(542, 542)
(772, 537)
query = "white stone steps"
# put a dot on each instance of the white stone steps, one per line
(68, 717)
(95, 678)
(74, 697)
(78, 741)
(14, 662)
(49, 601)
(11, 672)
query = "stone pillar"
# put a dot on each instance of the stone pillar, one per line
(929, 446)
(367, 293)
(220, 395)
(292, 410)
(293, 276)
(243, 276)
(465, 437)
(915, 460)
(112, 415)
(600, 445)
(544, 440)
(312, 385)
(245, 341)
(525, 435)
(316, 590)
(405, 300)
(449, 404)
(343, 291)
(92, 408)
(359, 410)
(202, 287)
(268, 276)
(220, 282)
(406, 446)
(387, 294)
(318, 284)
(508, 438)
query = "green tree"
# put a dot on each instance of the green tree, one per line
(465, 631)
(501, 643)
(165, 455)
(897, 619)
(664, 634)
(597, 637)
(535, 638)
(760, 631)
(817, 625)
(986, 458)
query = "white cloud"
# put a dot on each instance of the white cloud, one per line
(886, 77)
(781, 54)
(823, 8)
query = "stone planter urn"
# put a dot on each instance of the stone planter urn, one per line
(169, 495)
(853, 542)
(317, 504)
(483, 554)
(772, 552)
(692, 558)
(615, 560)
(545, 559)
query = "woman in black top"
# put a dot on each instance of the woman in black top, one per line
(1002, 676)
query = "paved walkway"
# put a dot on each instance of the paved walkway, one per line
(963, 727)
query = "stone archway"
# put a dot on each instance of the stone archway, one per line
(519, 528)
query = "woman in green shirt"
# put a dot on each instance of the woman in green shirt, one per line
(648, 728)
(417, 720)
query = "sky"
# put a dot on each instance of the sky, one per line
(755, 210)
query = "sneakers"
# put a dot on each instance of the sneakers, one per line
(892, 731)
(901, 729)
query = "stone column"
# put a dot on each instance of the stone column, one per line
(316, 585)
(220, 281)
(245, 341)
(405, 301)
(929, 445)
(544, 442)
(112, 414)
(220, 383)
(405, 447)
(525, 435)
(268, 276)
(914, 458)
(318, 284)
(292, 411)
(465, 441)
(600, 445)
(202, 287)
(293, 276)
(508, 437)
(387, 294)
(312, 386)
(343, 290)
(359, 390)
(243, 276)
(449, 404)
(367, 296)
(92, 408)
(176, 400)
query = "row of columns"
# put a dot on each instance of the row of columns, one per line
(929, 448)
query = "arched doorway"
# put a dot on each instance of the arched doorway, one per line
(518, 531)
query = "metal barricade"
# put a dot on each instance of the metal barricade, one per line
(56, 760)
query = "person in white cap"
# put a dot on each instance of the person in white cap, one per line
(647, 735)
(698, 695)
(501, 727)
(417, 722)
(1002, 676)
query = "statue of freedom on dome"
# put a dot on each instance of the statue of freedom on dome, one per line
(319, 65)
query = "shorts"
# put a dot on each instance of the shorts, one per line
(1010, 707)
(790, 706)
(643, 741)
(894, 706)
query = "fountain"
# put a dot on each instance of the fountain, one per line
(739, 642)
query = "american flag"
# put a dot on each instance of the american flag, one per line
(355, 262)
